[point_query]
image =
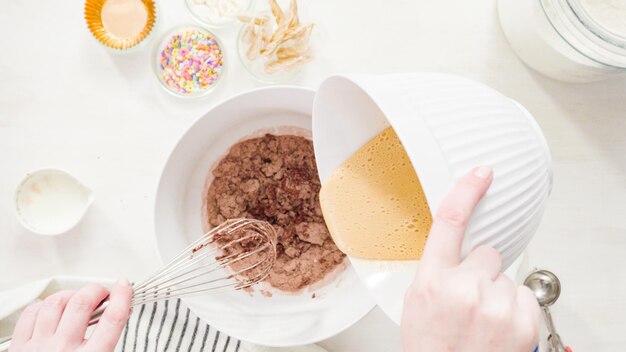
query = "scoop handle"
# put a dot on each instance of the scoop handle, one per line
(97, 313)
(5, 343)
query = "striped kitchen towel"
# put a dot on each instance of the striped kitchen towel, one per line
(170, 326)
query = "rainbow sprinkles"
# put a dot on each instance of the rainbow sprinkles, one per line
(190, 61)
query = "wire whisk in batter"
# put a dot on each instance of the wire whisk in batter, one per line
(237, 254)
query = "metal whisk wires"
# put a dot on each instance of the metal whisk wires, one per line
(238, 253)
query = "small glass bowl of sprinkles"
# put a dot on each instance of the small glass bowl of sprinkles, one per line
(189, 61)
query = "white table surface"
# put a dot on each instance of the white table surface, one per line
(66, 102)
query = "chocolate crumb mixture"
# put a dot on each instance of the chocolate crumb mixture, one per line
(274, 178)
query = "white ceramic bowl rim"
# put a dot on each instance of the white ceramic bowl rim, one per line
(343, 302)
(434, 174)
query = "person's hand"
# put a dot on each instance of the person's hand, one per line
(466, 306)
(58, 323)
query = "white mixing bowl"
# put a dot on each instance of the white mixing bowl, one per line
(448, 125)
(281, 320)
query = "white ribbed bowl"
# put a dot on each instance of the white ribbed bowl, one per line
(448, 125)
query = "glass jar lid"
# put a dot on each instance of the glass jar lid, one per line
(589, 29)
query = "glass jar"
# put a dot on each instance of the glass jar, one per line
(568, 40)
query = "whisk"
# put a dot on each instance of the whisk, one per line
(200, 267)
(237, 254)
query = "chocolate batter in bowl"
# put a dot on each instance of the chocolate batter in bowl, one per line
(274, 178)
(315, 312)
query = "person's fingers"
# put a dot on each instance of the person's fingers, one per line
(529, 316)
(25, 324)
(50, 313)
(484, 259)
(443, 247)
(495, 313)
(78, 312)
(527, 302)
(113, 319)
(505, 287)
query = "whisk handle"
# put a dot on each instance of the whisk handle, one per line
(97, 313)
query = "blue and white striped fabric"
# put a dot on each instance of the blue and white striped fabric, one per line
(170, 326)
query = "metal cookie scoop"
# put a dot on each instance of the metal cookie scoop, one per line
(547, 289)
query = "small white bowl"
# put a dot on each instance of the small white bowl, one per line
(283, 319)
(51, 201)
(448, 125)
(200, 13)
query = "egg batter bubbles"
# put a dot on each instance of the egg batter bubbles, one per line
(374, 205)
